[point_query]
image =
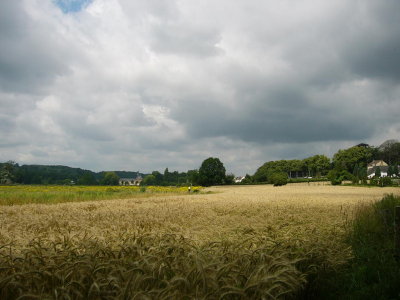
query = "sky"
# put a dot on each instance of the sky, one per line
(145, 85)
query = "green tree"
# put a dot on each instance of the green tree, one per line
(396, 170)
(149, 180)
(348, 158)
(317, 164)
(229, 179)
(212, 172)
(390, 171)
(336, 176)
(110, 178)
(7, 172)
(158, 177)
(278, 179)
(247, 179)
(193, 177)
(385, 181)
(87, 179)
(391, 154)
(378, 172)
(295, 166)
(166, 175)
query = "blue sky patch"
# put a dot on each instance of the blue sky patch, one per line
(72, 6)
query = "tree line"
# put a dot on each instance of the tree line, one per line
(346, 164)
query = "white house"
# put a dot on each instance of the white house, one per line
(130, 181)
(239, 179)
(372, 166)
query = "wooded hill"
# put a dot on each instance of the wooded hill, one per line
(44, 174)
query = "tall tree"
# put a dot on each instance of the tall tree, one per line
(166, 175)
(396, 170)
(378, 172)
(149, 180)
(110, 178)
(348, 158)
(7, 172)
(391, 154)
(212, 172)
(158, 177)
(193, 177)
(87, 179)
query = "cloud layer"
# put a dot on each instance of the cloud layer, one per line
(144, 85)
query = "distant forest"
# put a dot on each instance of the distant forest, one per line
(45, 174)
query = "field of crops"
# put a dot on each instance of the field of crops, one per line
(244, 242)
(50, 194)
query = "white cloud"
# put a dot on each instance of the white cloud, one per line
(152, 84)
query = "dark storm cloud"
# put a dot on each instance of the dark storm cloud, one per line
(279, 116)
(372, 46)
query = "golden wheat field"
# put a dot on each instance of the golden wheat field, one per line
(241, 242)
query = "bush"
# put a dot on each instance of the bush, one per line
(355, 180)
(374, 271)
(374, 181)
(336, 177)
(385, 181)
(278, 179)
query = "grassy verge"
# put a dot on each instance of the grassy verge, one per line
(374, 271)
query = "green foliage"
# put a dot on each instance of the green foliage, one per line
(212, 172)
(42, 174)
(110, 178)
(390, 154)
(336, 176)
(166, 175)
(393, 171)
(374, 181)
(374, 272)
(193, 177)
(149, 180)
(385, 181)
(396, 170)
(316, 165)
(381, 181)
(247, 179)
(7, 172)
(378, 172)
(158, 178)
(87, 179)
(229, 179)
(278, 179)
(347, 159)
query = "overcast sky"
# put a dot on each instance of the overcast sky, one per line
(149, 84)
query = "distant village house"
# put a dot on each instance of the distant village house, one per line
(239, 179)
(372, 166)
(130, 181)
